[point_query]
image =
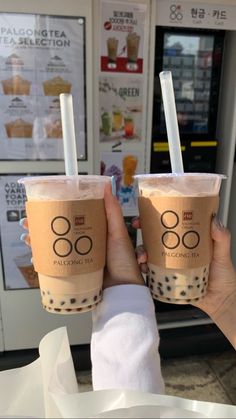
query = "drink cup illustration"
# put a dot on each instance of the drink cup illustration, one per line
(176, 212)
(129, 167)
(129, 126)
(112, 48)
(106, 123)
(132, 45)
(117, 119)
(68, 241)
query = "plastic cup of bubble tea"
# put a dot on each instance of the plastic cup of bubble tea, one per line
(67, 227)
(176, 211)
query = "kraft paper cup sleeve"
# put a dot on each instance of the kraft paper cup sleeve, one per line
(176, 230)
(72, 240)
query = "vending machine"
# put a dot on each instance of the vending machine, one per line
(194, 56)
(196, 43)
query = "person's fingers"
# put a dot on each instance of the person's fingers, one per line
(115, 220)
(25, 238)
(221, 242)
(135, 222)
(143, 267)
(141, 255)
(24, 223)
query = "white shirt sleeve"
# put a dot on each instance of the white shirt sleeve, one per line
(125, 341)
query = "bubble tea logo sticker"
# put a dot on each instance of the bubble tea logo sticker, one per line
(176, 13)
(171, 239)
(66, 238)
(63, 245)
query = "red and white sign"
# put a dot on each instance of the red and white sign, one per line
(122, 34)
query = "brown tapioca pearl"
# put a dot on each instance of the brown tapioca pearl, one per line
(190, 287)
(204, 279)
(160, 284)
(166, 279)
(51, 301)
(183, 293)
(174, 277)
(152, 280)
(153, 272)
(90, 306)
(161, 292)
(198, 286)
(202, 291)
(68, 309)
(151, 286)
(57, 309)
(72, 300)
(168, 299)
(97, 303)
(196, 278)
(95, 297)
(188, 301)
(168, 288)
(84, 300)
(62, 303)
(204, 270)
(43, 292)
(79, 309)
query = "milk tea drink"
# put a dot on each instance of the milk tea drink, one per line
(67, 227)
(175, 213)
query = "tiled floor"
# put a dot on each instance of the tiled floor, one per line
(209, 377)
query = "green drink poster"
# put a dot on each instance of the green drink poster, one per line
(121, 116)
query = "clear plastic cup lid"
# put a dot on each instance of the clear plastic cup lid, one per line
(175, 175)
(64, 178)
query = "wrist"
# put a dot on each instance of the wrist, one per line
(110, 282)
(225, 318)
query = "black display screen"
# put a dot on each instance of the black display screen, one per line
(194, 58)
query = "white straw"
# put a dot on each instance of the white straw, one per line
(68, 131)
(171, 122)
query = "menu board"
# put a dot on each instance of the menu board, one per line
(40, 57)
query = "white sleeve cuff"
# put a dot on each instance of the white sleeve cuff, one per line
(125, 340)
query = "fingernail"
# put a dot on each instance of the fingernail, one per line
(21, 222)
(113, 185)
(23, 237)
(218, 223)
(32, 261)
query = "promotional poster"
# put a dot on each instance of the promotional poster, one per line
(120, 109)
(40, 58)
(123, 166)
(122, 37)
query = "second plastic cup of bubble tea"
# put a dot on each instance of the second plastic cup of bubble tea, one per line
(176, 211)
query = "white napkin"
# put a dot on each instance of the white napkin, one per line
(47, 388)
